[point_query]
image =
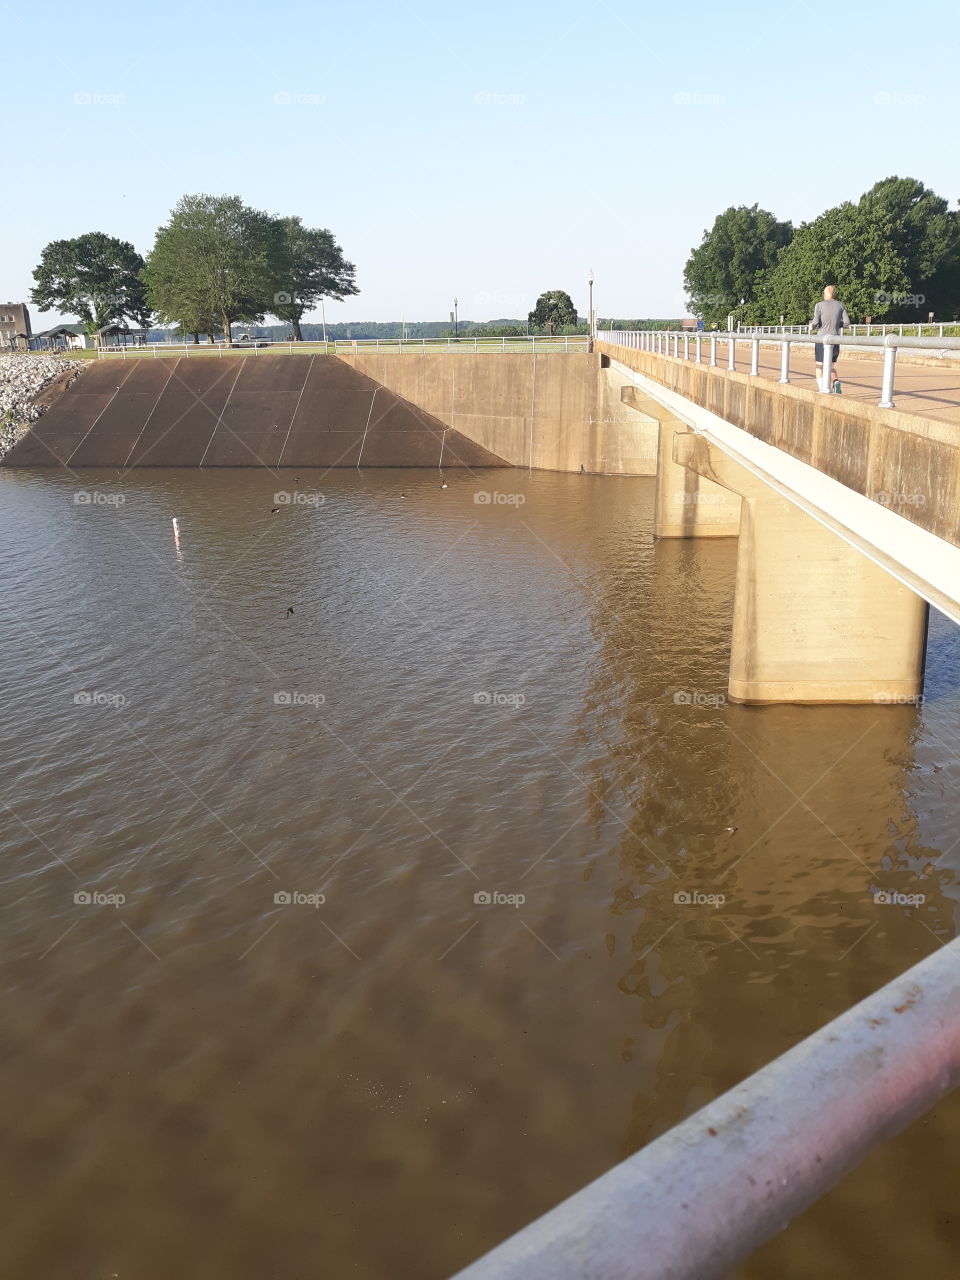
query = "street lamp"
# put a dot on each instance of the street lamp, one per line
(591, 328)
(456, 322)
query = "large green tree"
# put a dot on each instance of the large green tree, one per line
(312, 267)
(732, 262)
(554, 311)
(214, 263)
(893, 255)
(93, 276)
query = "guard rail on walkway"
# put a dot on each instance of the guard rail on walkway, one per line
(354, 346)
(669, 342)
(696, 1201)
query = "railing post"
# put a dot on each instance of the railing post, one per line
(698, 347)
(755, 357)
(731, 352)
(889, 369)
(713, 350)
(785, 361)
(686, 346)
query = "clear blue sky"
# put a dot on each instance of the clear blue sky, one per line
(489, 150)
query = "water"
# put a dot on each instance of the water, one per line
(203, 1081)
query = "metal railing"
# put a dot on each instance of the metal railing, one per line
(708, 1192)
(690, 346)
(918, 330)
(480, 345)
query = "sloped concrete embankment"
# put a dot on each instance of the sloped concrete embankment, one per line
(264, 410)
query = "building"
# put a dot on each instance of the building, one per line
(14, 326)
(63, 337)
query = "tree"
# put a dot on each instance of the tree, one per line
(732, 263)
(312, 267)
(553, 310)
(93, 276)
(893, 255)
(214, 263)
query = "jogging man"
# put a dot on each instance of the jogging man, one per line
(829, 320)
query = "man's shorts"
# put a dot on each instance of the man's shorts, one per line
(818, 353)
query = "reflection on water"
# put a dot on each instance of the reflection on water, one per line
(218, 1076)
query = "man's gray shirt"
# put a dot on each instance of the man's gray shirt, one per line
(829, 317)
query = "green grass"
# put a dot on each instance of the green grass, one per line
(410, 347)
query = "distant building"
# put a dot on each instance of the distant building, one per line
(688, 322)
(63, 337)
(14, 326)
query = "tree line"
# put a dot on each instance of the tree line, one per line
(216, 263)
(894, 255)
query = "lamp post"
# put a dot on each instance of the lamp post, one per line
(591, 327)
(456, 321)
(323, 318)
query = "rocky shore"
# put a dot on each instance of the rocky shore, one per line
(21, 378)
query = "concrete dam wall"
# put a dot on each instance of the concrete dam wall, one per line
(556, 412)
(239, 411)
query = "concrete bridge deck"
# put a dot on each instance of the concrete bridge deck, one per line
(929, 390)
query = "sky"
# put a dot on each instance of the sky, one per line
(487, 151)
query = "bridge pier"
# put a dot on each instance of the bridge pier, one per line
(814, 619)
(687, 504)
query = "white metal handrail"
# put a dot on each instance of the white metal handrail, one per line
(711, 1190)
(478, 344)
(679, 343)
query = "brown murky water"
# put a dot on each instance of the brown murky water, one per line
(206, 1080)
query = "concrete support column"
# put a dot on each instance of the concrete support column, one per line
(814, 619)
(687, 505)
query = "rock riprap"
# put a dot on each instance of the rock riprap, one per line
(22, 377)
